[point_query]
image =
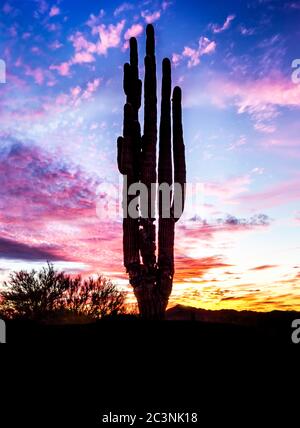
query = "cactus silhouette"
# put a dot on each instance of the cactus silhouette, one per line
(150, 271)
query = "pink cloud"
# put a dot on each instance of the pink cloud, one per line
(205, 47)
(38, 74)
(188, 267)
(38, 183)
(124, 7)
(75, 91)
(55, 45)
(35, 50)
(219, 29)
(7, 8)
(214, 231)
(82, 57)
(278, 194)
(134, 31)
(42, 6)
(237, 190)
(80, 42)
(260, 98)
(263, 267)
(241, 141)
(77, 94)
(95, 20)
(91, 88)
(176, 59)
(54, 11)
(62, 203)
(13, 31)
(26, 36)
(266, 92)
(165, 4)
(263, 127)
(52, 27)
(228, 188)
(150, 17)
(193, 55)
(283, 145)
(110, 36)
(293, 5)
(258, 170)
(247, 31)
(63, 69)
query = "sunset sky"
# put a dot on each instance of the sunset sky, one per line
(238, 245)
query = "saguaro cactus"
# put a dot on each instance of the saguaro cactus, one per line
(151, 274)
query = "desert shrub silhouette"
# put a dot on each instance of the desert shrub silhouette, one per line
(44, 294)
(96, 298)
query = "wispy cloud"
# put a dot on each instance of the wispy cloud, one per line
(274, 195)
(188, 267)
(54, 11)
(85, 50)
(205, 47)
(225, 26)
(63, 69)
(261, 98)
(54, 199)
(14, 250)
(151, 17)
(263, 267)
(124, 7)
(134, 31)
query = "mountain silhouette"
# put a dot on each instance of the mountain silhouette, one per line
(231, 316)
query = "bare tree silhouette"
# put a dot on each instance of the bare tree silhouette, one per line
(95, 298)
(49, 293)
(150, 274)
(32, 294)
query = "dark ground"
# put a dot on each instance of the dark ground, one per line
(215, 327)
(235, 369)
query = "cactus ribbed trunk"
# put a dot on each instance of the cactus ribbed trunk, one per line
(150, 274)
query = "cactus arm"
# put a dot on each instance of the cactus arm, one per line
(130, 225)
(165, 153)
(129, 147)
(166, 225)
(178, 148)
(148, 156)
